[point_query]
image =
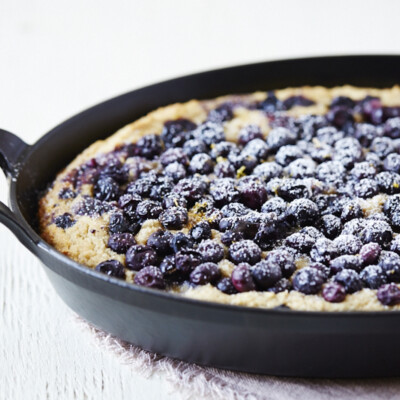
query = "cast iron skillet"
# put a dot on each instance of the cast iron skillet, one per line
(278, 341)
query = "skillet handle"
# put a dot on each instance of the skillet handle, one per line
(11, 150)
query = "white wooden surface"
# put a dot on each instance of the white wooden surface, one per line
(58, 57)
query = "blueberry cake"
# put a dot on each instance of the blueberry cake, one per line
(285, 198)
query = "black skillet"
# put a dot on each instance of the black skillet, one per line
(278, 341)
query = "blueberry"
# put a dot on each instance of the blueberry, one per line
(205, 273)
(106, 189)
(363, 170)
(225, 285)
(284, 260)
(371, 109)
(340, 116)
(391, 208)
(245, 251)
(290, 189)
(174, 200)
(244, 164)
(222, 113)
(119, 223)
(302, 212)
(301, 241)
(129, 202)
(222, 149)
(169, 270)
(174, 218)
(392, 128)
(266, 274)
(121, 242)
(323, 268)
(279, 137)
(234, 210)
(64, 221)
(229, 237)
(350, 280)
(275, 205)
(160, 241)
(348, 151)
(323, 251)
(281, 286)
(148, 209)
(347, 244)
(139, 256)
(193, 147)
(111, 268)
(186, 260)
(392, 163)
(342, 101)
(175, 171)
(331, 172)
(211, 251)
(66, 193)
(377, 231)
(351, 210)
(175, 134)
(224, 169)
(373, 276)
(91, 207)
(253, 193)
(249, 133)
(173, 155)
(301, 168)
(390, 264)
(224, 191)
(382, 146)
(354, 227)
(333, 292)
(181, 241)
(370, 253)
(191, 189)
(150, 277)
(142, 186)
(346, 262)
(308, 125)
(162, 187)
(329, 135)
(389, 295)
(288, 154)
(365, 133)
(298, 100)
(201, 231)
(395, 244)
(257, 148)
(149, 146)
(201, 164)
(308, 280)
(210, 133)
(268, 170)
(330, 225)
(242, 278)
(366, 188)
(388, 182)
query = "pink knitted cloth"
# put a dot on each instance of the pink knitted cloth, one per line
(194, 381)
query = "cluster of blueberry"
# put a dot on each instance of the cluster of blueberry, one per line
(294, 194)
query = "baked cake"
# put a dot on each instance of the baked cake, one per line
(285, 198)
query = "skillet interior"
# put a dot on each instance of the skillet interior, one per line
(277, 342)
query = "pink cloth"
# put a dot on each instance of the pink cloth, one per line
(194, 381)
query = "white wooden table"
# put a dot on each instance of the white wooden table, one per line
(59, 57)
